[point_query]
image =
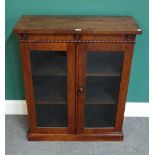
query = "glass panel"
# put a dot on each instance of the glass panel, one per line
(50, 87)
(103, 71)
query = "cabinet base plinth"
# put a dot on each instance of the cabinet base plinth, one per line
(76, 137)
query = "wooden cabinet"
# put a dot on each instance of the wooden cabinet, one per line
(76, 73)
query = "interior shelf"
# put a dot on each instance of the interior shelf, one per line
(100, 115)
(55, 63)
(51, 115)
(49, 63)
(53, 90)
(102, 74)
(104, 69)
(102, 90)
(104, 63)
(50, 90)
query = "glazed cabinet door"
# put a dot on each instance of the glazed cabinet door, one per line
(49, 72)
(102, 79)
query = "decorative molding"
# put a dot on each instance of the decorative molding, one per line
(24, 36)
(75, 41)
(130, 37)
(133, 109)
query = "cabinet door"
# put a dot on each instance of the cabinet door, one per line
(50, 86)
(102, 86)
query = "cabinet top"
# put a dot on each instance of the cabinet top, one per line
(77, 25)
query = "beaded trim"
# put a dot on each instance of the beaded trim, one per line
(77, 41)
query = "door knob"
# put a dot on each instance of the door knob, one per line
(80, 90)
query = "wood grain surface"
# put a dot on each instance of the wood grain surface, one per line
(77, 25)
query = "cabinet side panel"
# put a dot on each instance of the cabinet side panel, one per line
(128, 54)
(28, 85)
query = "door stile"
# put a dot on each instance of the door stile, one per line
(71, 87)
(80, 87)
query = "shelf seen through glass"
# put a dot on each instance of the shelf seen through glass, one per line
(51, 90)
(98, 64)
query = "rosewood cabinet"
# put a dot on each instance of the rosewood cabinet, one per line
(76, 73)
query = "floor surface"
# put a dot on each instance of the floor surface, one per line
(136, 141)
